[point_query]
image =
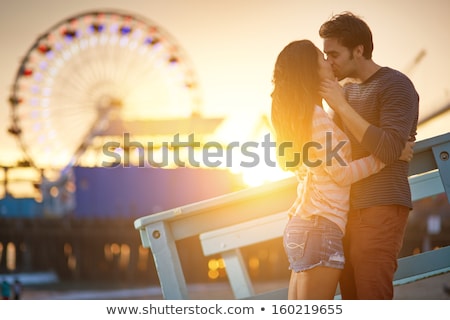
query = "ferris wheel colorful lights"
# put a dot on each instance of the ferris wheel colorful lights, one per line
(72, 74)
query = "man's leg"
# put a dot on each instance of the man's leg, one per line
(374, 242)
(347, 283)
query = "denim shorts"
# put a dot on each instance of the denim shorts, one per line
(313, 242)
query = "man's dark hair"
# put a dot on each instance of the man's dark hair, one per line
(350, 30)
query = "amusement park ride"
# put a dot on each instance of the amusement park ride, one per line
(94, 77)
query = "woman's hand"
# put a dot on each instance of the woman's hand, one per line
(301, 173)
(408, 151)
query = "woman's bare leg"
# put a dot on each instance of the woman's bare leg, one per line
(292, 290)
(318, 283)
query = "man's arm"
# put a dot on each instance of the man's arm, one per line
(388, 140)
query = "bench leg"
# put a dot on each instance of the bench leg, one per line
(237, 274)
(167, 261)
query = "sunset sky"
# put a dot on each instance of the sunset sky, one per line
(233, 46)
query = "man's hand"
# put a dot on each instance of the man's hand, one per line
(408, 151)
(333, 94)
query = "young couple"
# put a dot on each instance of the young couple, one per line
(348, 221)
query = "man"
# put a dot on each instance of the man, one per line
(379, 118)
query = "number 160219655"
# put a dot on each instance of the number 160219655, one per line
(306, 309)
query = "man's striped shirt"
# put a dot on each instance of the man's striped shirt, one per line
(389, 101)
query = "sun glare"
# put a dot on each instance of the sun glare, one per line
(257, 176)
(256, 164)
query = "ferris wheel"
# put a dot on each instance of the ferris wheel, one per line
(91, 70)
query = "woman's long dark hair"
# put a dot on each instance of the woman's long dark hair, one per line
(296, 92)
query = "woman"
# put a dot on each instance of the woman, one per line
(311, 145)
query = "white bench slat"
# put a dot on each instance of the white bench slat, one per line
(243, 234)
